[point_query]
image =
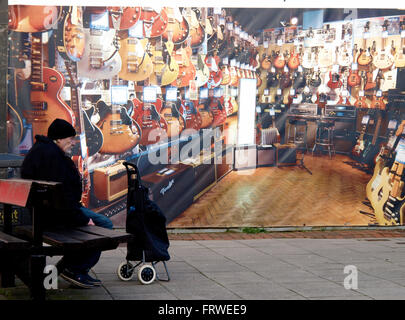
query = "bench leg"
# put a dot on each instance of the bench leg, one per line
(38, 263)
(6, 271)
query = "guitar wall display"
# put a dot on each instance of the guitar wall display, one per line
(112, 54)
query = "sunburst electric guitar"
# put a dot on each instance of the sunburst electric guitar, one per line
(46, 103)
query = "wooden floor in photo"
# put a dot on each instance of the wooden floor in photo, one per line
(284, 196)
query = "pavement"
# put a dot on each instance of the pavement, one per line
(315, 265)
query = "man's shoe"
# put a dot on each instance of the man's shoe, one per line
(92, 280)
(78, 280)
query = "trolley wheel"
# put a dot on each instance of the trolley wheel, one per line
(146, 274)
(125, 271)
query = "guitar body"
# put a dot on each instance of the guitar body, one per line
(375, 182)
(175, 122)
(361, 103)
(378, 103)
(96, 63)
(364, 59)
(383, 60)
(28, 18)
(285, 80)
(234, 77)
(202, 70)
(380, 197)
(325, 58)
(218, 111)
(47, 104)
(177, 29)
(206, 116)
(228, 105)
(129, 16)
(196, 30)
(193, 119)
(136, 62)
(154, 23)
(70, 36)
(187, 70)
(370, 83)
(279, 62)
(294, 61)
(120, 132)
(400, 58)
(94, 136)
(165, 69)
(266, 62)
(334, 81)
(153, 128)
(353, 79)
(226, 76)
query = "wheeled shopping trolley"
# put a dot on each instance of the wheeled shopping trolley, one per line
(146, 222)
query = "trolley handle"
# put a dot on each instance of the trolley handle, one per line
(132, 170)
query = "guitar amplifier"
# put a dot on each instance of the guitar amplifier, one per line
(286, 154)
(396, 98)
(265, 156)
(110, 182)
(400, 79)
(171, 188)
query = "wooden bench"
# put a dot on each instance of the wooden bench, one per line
(22, 249)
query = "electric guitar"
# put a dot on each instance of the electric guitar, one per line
(153, 126)
(388, 195)
(383, 59)
(344, 98)
(70, 34)
(121, 133)
(191, 115)
(196, 30)
(165, 68)
(215, 77)
(218, 112)
(368, 154)
(177, 26)
(80, 150)
(206, 115)
(294, 60)
(45, 103)
(400, 54)
(202, 70)
(136, 62)
(359, 147)
(378, 99)
(187, 70)
(365, 58)
(100, 59)
(361, 97)
(174, 119)
(375, 187)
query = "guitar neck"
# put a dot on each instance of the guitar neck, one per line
(75, 102)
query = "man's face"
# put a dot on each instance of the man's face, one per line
(66, 144)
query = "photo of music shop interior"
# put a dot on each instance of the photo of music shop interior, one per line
(235, 117)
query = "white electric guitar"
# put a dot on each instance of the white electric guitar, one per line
(383, 59)
(101, 59)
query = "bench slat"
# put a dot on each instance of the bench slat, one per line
(116, 235)
(69, 238)
(10, 242)
(51, 238)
